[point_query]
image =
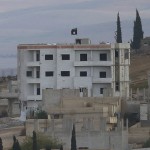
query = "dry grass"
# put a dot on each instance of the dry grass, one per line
(140, 65)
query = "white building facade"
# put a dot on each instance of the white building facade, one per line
(96, 70)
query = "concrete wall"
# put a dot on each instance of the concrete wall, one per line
(91, 138)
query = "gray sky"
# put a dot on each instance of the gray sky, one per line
(50, 21)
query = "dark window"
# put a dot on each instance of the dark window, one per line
(83, 74)
(48, 57)
(103, 57)
(81, 89)
(37, 56)
(38, 74)
(126, 54)
(57, 116)
(65, 57)
(49, 73)
(101, 90)
(83, 57)
(65, 73)
(102, 74)
(29, 73)
(38, 91)
(117, 86)
(116, 53)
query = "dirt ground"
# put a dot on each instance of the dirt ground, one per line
(139, 67)
(7, 136)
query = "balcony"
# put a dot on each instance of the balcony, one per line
(92, 63)
(34, 97)
(33, 80)
(102, 80)
(33, 64)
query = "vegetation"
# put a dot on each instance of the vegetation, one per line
(16, 145)
(137, 32)
(61, 147)
(42, 140)
(118, 34)
(41, 114)
(146, 144)
(34, 141)
(73, 139)
(1, 144)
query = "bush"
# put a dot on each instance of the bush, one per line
(146, 144)
(41, 114)
(43, 141)
(4, 113)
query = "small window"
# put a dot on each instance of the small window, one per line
(126, 54)
(49, 73)
(102, 74)
(101, 90)
(48, 57)
(38, 91)
(116, 53)
(83, 57)
(65, 73)
(37, 56)
(83, 74)
(29, 73)
(65, 57)
(103, 57)
(117, 86)
(38, 74)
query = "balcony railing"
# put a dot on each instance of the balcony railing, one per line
(33, 64)
(92, 63)
(102, 80)
(33, 80)
(34, 97)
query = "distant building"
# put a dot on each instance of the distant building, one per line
(96, 70)
(145, 45)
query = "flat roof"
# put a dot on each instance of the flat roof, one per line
(63, 46)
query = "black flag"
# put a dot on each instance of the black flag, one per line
(74, 31)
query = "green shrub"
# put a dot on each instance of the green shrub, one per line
(146, 144)
(43, 141)
(41, 114)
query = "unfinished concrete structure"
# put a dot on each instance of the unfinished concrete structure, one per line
(97, 70)
(97, 120)
(9, 99)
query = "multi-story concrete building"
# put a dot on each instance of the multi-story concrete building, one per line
(96, 70)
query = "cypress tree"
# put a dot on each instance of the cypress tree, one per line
(137, 32)
(61, 147)
(14, 143)
(34, 141)
(118, 33)
(1, 144)
(17, 145)
(73, 139)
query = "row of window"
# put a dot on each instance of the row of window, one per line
(102, 74)
(83, 57)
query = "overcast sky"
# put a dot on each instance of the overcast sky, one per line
(50, 21)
